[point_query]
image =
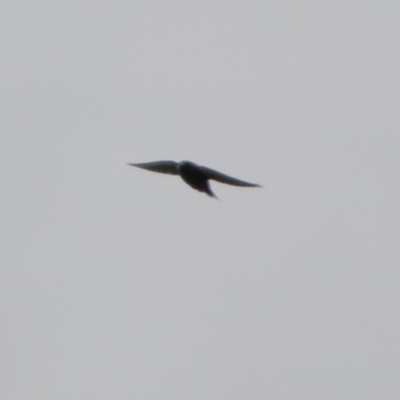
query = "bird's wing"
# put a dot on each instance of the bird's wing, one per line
(164, 167)
(219, 177)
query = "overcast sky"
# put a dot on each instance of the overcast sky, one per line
(119, 283)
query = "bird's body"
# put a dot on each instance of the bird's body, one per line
(195, 176)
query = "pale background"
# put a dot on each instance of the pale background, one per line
(118, 283)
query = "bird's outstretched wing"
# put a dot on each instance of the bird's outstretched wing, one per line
(220, 177)
(164, 167)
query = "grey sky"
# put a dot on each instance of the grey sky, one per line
(117, 283)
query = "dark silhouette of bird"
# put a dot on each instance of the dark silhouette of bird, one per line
(196, 176)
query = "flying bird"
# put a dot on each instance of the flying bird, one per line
(194, 175)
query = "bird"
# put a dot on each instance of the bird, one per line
(196, 176)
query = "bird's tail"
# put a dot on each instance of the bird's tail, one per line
(210, 193)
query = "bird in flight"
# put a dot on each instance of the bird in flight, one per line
(194, 175)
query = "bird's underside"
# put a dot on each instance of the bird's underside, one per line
(194, 175)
